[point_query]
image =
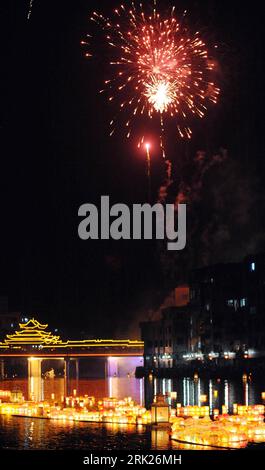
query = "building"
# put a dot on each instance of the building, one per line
(216, 299)
(167, 339)
(228, 304)
(254, 301)
(220, 315)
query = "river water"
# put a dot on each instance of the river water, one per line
(28, 433)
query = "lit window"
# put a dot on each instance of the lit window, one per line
(253, 267)
(243, 302)
(230, 303)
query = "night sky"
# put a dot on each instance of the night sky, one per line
(56, 154)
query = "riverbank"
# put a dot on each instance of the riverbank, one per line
(252, 368)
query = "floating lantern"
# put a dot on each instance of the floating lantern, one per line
(193, 411)
(16, 396)
(203, 398)
(215, 413)
(5, 394)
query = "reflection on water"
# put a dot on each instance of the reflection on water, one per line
(25, 433)
(218, 392)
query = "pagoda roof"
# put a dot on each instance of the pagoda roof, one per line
(33, 324)
(32, 333)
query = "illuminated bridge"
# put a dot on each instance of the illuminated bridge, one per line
(34, 342)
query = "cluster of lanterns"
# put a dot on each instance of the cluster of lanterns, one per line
(108, 410)
(205, 432)
(226, 431)
(191, 426)
(192, 411)
(5, 395)
(23, 409)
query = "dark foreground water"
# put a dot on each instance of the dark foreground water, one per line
(28, 433)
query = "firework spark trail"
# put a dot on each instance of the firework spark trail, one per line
(30, 9)
(160, 69)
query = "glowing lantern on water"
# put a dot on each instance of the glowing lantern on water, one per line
(139, 420)
(215, 413)
(203, 398)
(160, 410)
(173, 395)
(16, 396)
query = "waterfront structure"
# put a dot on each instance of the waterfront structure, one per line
(228, 307)
(36, 343)
(254, 272)
(217, 296)
(221, 318)
(167, 338)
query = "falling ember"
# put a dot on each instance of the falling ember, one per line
(30, 9)
(159, 69)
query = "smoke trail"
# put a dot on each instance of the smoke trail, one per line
(30, 9)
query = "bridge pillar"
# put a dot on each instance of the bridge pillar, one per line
(77, 374)
(111, 369)
(67, 385)
(122, 366)
(2, 369)
(35, 387)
